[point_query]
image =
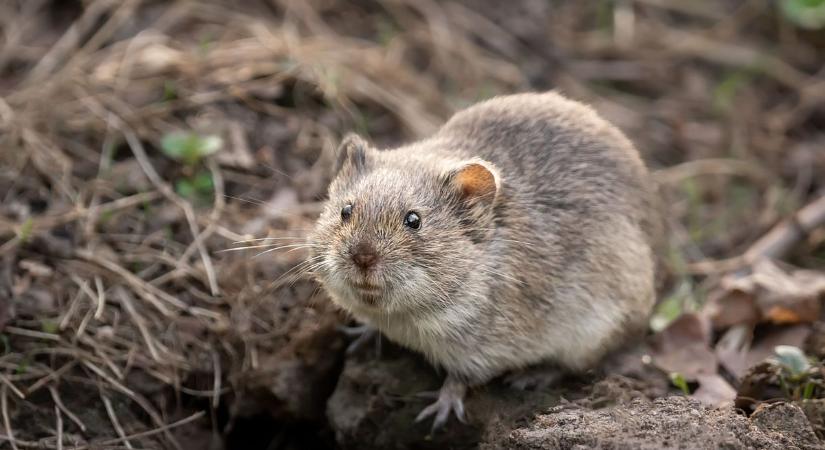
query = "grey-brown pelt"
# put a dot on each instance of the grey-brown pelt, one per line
(534, 241)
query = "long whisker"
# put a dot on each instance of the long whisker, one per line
(311, 262)
(234, 249)
(286, 246)
(308, 270)
(269, 239)
(252, 201)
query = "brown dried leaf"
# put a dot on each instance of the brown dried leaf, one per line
(782, 297)
(714, 391)
(684, 347)
(729, 308)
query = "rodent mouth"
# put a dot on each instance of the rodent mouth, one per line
(366, 288)
(367, 292)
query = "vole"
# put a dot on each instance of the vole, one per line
(519, 233)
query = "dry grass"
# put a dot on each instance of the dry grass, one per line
(118, 280)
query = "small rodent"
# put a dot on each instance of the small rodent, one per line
(520, 233)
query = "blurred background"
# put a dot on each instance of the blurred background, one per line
(140, 140)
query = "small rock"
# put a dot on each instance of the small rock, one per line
(665, 423)
(786, 422)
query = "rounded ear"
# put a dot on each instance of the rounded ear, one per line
(475, 181)
(353, 150)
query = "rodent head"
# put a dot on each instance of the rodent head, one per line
(402, 230)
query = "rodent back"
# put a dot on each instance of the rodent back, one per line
(559, 156)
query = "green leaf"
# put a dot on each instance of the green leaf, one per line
(185, 188)
(808, 393)
(679, 381)
(792, 359)
(48, 326)
(198, 188)
(666, 312)
(680, 300)
(202, 183)
(189, 147)
(26, 230)
(808, 14)
(170, 91)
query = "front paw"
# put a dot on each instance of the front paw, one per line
(450, 399)
(362, 335)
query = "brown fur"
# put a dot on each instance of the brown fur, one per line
(534, 245)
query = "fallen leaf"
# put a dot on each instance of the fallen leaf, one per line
(729, 308)
(684, 348)
(781, 296)
(714, 391)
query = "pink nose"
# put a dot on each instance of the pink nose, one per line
(364, 255)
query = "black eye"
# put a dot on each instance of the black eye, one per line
(346, 212)
(412, 220)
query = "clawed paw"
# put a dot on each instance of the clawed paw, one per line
(442, 409)
(450, 399)
(362, 335)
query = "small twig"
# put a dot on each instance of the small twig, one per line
(32, 333)
(20, 442)
(59, 426)
(150, 293)
(775, 244)
(782, 237)
(113, 418)
(715, 265)
(52, 376)
(59, 404)
(713, 166)
(83, 288)
(83, 324)
(216, 375)
(11, 386)
(43, 223)
(6, 420)
(142, 402)
(138, 320)
(92, 342)
(101, 298)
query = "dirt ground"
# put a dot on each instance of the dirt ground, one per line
(146, 144)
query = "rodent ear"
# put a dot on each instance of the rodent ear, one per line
(475, 180)
(353, 150)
